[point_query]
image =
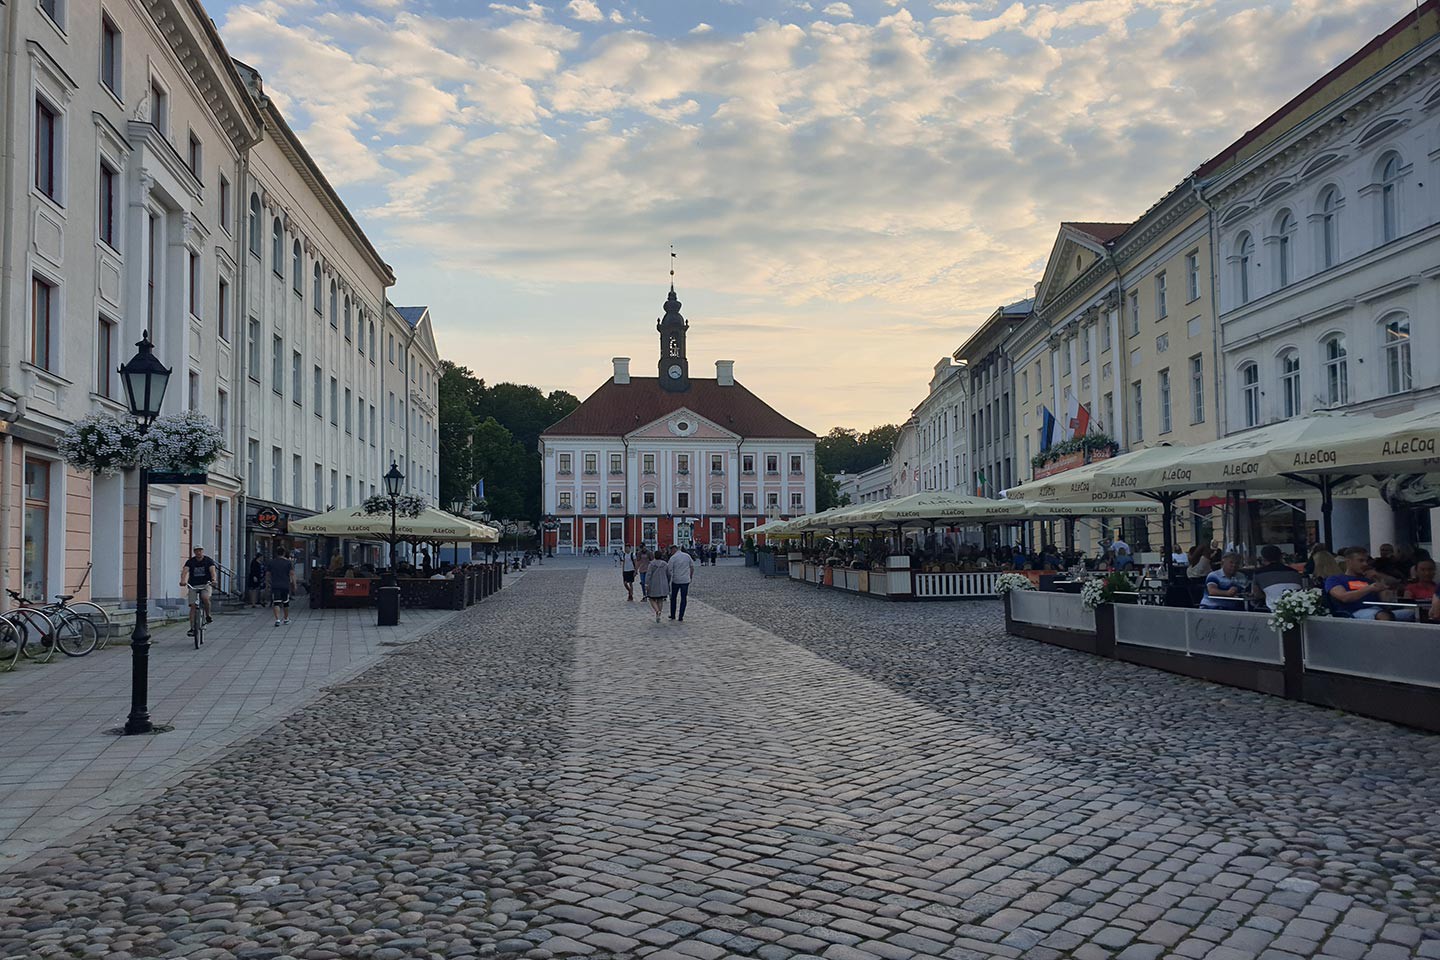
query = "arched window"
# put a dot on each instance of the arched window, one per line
(347, 318)
(1389, 191)
(277, 248)
(1396, 331)
(1290, 383)
(1244, 253)
(334, 305)
(360, 328)
(255, 224)
(1250, 389)
(316, 287)
(297, 269)
(1337, 371)
(1284, 251)
(1330, 227)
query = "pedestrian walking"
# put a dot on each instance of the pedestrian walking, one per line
(282, 581)
(657, 585)
(627, 573)
(255, 580)
(642, 565)
(681, 570)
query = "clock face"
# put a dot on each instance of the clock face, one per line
(675, 371)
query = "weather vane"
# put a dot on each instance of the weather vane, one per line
(672, 268)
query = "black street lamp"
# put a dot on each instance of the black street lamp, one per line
(388, 602)
(145, 379)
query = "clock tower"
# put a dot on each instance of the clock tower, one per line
(674, 366)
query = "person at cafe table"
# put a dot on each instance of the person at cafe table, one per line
(1225, 588)
(1274, 579)
(1349, 590)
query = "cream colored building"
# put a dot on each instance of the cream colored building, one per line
(1124, 321)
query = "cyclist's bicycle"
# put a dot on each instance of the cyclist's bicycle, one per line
(72, 628)
(197, 623)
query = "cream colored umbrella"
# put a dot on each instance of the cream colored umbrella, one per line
(431, 525)
(1113, 508)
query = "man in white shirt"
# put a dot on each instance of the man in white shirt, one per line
(1121, 552)
(682, 571)
(627, 572)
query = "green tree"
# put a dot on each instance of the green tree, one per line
(498, 459)
(458, 388)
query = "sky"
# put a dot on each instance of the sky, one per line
(850, 187)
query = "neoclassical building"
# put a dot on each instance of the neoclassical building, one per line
(1328, 235)
(672, 459)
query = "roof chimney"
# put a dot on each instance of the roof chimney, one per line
(622, 369)
(725, 373)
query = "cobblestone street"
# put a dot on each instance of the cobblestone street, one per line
(788, 773)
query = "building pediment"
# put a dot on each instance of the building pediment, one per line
(682, 424)
(1072, 255)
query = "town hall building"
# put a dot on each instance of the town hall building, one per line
(672, 459)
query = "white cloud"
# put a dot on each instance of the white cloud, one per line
(873, 188)
(587, 11)
(841, 10)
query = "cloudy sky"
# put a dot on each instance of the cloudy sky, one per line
(850, 186)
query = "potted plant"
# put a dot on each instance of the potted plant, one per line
(1295, 607)
(184, 442)
(101, 443)
(1008, 582)
(1100, 590)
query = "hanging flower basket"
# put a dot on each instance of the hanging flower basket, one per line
(101, 443)
(182, 442)
(1007, 582)
(1295, 607)
(406, 505)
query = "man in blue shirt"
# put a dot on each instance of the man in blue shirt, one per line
(1225, 588)
(1348, 591)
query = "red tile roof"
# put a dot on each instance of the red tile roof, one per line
(1104, 232)
(617, 409)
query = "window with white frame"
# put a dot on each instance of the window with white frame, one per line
(55, 10)
(347, 319)
(1134, 314)
(564, 463)
(1192, 275)
(1389, 198)
(772, 463)
(277, 364)
(616, 463)
(717, 499)
(565, 500)
(106, 225)
(772, 499)
(194, 284)
(195, 157)
(1337, 370)
(682, 500)
(297, 269)
(717, 463)
(1165, 401)
(334, 402)
(110, 61)
(1084, 346)
(105, 366)
(1197, 389)
(316, 287)
(349, 413)
(797, 463)
(1065, 355)
(592, 499)
(647, 498)
(49, 159)
(747, 500)
(682, 463)
(590, 463)
(797, 501)
(277, 460)
(1104, 337)
(1109, 408)
(1250, 393)
(222, 414)
(334, 305)
(1162, 300)
(1396, 331)
(1284, 249)
(252, 452)
(1025, 382)
(317, 401)
(1137, 409)
(159, 107)
(647, 463)
(252, 347)
(615, 501)
(297, 377)
(1291, 404)
(1244, 253)
(747, 463)
(224, 203)
(1329, 227)
(253, 226)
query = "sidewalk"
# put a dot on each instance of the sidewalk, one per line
(61, 772)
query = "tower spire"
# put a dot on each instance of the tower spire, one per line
(672, 268)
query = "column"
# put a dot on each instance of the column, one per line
(1096, 364)
(1117, 429)
(1055, 406)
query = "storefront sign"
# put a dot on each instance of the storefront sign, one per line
(1069, 462)
(352, 588)
(267, 519)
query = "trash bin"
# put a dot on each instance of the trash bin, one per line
(387, 604)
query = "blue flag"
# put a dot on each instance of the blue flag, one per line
(480, 489)
(1047, 428)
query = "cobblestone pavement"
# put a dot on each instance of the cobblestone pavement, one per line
(60, 771)
(553, 774)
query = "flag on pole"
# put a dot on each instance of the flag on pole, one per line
(480, 489)
(1047, 428)
(1077, 418)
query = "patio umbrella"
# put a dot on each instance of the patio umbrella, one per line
(429, 526)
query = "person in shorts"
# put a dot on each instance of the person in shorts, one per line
(281, 571)
(197, 578)
(627, 573)
(1348, 591)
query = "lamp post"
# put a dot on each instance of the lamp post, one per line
(145, 379)
(387, 605)
(457, 507)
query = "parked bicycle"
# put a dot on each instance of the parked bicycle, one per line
(26, 633)
(72, 627)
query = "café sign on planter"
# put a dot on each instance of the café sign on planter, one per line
(1070, 461)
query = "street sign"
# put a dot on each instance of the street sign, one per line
(169, 476)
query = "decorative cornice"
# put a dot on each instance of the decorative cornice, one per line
(192, 37)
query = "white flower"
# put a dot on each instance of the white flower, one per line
(1295, 607)
(100, 442)
(1092, 594)
(1007, 582)
(185, 442)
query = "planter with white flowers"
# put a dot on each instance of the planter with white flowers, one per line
(100, 443)
(408, 505)
(178, 447)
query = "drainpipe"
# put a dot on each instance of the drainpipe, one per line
(237, 374)
(1218, 374)
(7, 257)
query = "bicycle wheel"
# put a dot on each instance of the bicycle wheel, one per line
(10, 644)
(37, 633)
(75, 636)
(197, 621)
(96, 615)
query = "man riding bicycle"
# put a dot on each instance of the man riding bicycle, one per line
(198, 577)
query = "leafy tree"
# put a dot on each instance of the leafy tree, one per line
(844, 450)
(827, 494)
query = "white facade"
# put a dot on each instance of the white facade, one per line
(1327, 243)
(410, 388)
(941, 422)
(905, 460)
(126, 123)
(868, 486)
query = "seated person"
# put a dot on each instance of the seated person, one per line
(1423, 586)
(1017, 560)
(1225, 588)
(1274, 578)
(1389, 565)
(1050, 559)
(1348, 590)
